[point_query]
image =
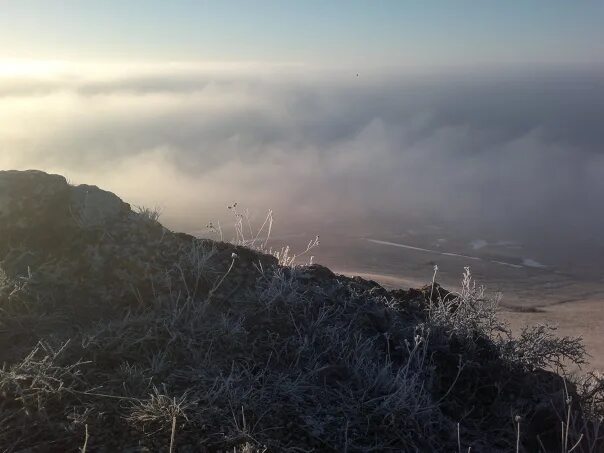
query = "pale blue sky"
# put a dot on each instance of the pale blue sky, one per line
(425, 32)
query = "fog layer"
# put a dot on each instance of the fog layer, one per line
(503, 155)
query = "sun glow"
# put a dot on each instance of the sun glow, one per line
(35, 68)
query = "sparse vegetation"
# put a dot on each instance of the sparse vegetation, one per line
(213, 346)
(257, 238)
(292, 365)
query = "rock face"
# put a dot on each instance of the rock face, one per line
(31, 201)
(42, 211)
(82, 248)
(101, 306)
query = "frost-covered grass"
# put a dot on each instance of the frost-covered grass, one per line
(470, 314)
(300, 360)
(246, 234)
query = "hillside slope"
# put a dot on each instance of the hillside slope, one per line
(117, 334)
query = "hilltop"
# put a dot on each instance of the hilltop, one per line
(117, 334)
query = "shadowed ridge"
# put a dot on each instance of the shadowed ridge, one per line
(112, 324)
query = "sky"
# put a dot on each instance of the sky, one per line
(408, 33)
(344, 116)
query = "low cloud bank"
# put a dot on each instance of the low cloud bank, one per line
(519, 155)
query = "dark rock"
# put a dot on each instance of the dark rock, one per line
(317, 273)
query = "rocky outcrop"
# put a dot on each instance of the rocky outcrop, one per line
(83, 251)
(39, 209)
